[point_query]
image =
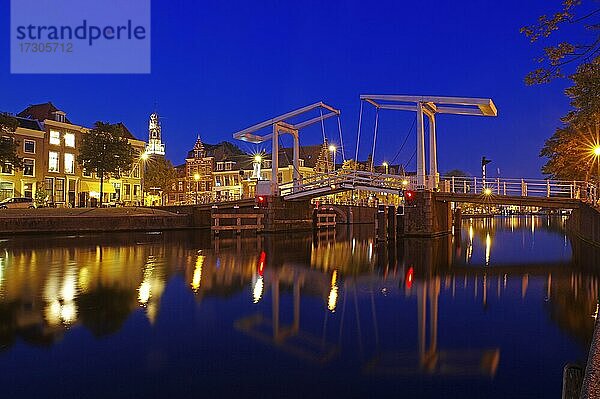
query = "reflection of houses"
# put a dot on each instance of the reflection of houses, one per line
(49, 144)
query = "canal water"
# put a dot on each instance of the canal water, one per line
(494, 311)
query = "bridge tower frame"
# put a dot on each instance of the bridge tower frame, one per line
(429, 106)
(281, 125)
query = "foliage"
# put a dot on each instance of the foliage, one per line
(159, 173)
(8, 144)
(41, 196)
(570, 149)
(106, 151)
(557, 56)
(457, 173)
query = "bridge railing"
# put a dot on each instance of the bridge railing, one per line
(520, 187)
(334, 179)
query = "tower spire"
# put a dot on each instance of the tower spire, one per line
(155, 145)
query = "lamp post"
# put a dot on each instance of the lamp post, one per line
(386, 167)
(597, 155)
(143, 158)
(196, 179)
(333, 150)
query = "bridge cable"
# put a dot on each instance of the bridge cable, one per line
(358, 135)
(374, 138)
(341, 139)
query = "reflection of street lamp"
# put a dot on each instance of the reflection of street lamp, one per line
(333, 150)
(386, 166)
(196, 178)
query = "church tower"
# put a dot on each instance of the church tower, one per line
(155, 145)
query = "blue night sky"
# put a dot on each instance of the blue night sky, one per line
(218, 67)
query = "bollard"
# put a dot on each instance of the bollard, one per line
(391, 222)
(380, 225)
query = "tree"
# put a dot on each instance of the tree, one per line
(8, 144)
(556, 57)
(106, 151)
(457, 173)
(159, 173)
(570, 150)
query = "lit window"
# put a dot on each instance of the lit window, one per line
(52, 161)
(29, 146)
(28, 167)
(69, 163)
(219, 165)
(7, 169)
(69, 140)
(228, 165)
(54, 137)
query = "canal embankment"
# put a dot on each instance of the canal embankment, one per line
(584, 223)
(50, 220)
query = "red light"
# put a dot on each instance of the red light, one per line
(409, 196)
(261, 263)
(409, 277)
(261, 199)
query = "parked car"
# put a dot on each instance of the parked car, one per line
(17, 202)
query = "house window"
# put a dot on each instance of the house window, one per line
(301, 162)
(136, 171)
(28, 190)
(219, 165)
(86, 172)
(28, 167)
(136, 190)
(69, 163)
(267, 164)
(127, 190)
(6, 190)
(29, 146)
(69, 140)
(228, 165)
(49, 187)
(218, 181)
(54, 137)
(180, 186)
(7, 169)
(59, 190)
(52, 161)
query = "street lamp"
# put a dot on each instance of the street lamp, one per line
(386, 166)
(196, 178)
(596, 151)
(333, 150)
(143, 157)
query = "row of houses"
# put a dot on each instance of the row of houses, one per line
(49, 145)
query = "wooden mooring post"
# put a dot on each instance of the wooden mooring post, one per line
(323, 218)
(236, 221)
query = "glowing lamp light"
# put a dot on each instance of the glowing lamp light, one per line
(487, 191)
(597, 150)
(144, 156)
(257, 158)
(332, 148)
(404, 182)
(196, 176)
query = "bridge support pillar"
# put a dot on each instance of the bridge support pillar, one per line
(380, 224)
(457, 219)
(427, 217)
(391, 223)
(400, 221)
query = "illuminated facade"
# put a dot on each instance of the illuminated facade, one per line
(49, 145)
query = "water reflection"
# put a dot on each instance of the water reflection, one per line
(430, 307)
